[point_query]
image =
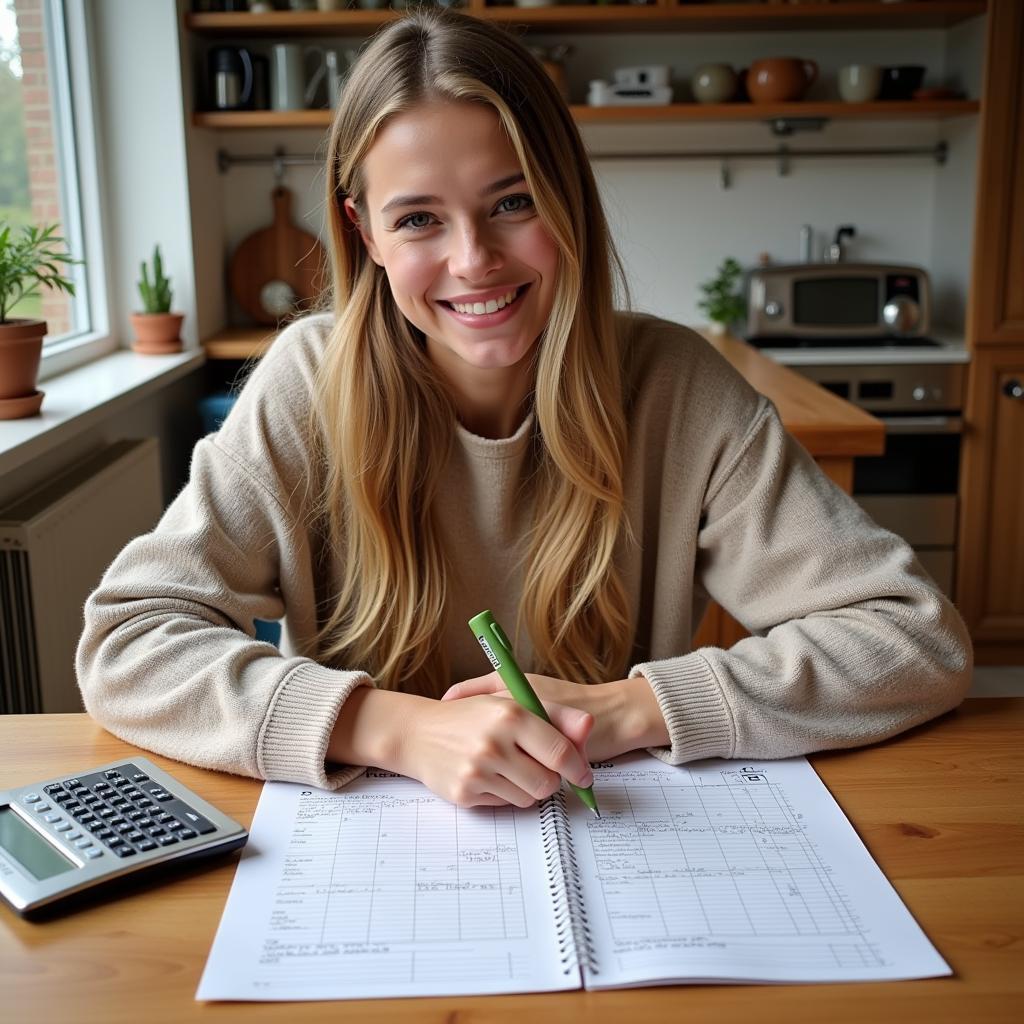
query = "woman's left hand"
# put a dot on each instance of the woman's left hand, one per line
(626, 712)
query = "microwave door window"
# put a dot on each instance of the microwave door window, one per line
(836, 302)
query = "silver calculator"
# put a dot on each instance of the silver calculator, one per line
(63, 836)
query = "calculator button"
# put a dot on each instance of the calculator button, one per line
(157, 831)
(64, 826)
(107, 812)
(32, 798)
(54, 787)
(111, 773)
(183, 812)
(135, 815)
(140, 777)
(105, 834)
(72, 782)
(144, 822)
(146, 844)
(163, 818)
(134, 837)
(42, 808)
(73, 835)
(125, 851)
(114, 841)
(53, 818)
(96, 825)
(186, 833)
(83, 844)
(93, 853)
(101, 787)
(167, 840)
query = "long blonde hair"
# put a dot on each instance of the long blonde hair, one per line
(385, 420)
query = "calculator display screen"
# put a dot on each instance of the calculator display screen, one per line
(23, 844)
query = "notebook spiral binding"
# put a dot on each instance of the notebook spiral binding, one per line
(576, 947)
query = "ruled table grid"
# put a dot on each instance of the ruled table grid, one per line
(725, 860)
(415, 870)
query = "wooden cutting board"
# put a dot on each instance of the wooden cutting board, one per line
(287, 259)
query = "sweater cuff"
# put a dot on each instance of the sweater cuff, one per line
(292, 746)
(693, 706)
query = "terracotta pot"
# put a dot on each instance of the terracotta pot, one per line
(157, 334)
(780, 79)
(21, 347)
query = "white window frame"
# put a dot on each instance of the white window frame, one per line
(68, 39)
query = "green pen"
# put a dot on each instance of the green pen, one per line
(498, 649)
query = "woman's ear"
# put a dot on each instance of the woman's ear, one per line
(371, 248)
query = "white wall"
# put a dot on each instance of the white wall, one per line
(672, 220)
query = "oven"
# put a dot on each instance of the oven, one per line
(912, 488)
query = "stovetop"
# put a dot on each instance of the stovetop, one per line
(790, 341)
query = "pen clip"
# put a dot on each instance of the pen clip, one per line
(499, 635)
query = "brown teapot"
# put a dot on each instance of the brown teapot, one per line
(780, 79)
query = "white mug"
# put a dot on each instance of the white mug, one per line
(289, 89)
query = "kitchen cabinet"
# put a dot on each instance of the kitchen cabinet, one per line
(990, 594)
(990, 569)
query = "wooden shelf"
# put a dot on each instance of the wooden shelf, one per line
(239, 342)
(883, 110)
(685, 17)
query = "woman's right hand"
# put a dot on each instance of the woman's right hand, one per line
(488, 751)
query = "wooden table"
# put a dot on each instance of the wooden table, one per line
(940, 809)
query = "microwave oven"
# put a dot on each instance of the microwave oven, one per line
(838, 300)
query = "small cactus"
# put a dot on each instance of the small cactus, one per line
(156, 295)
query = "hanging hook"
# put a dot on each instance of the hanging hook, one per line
(724, 175)
(278, 166)
(782, 160)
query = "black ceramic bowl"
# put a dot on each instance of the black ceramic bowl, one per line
(899, 83)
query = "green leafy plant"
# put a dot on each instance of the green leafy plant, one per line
(30, 260)
(156, 294)
(723, 302)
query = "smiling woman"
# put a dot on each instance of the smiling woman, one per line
(471, 424)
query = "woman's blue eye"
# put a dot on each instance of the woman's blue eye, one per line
(527, 201)
(407, 221)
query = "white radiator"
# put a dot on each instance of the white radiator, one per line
(55, 544)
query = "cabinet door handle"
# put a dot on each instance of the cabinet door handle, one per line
(1013, 389)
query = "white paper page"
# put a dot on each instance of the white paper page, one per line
(732, 871)
(383, 889)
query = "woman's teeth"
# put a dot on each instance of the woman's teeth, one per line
(491, 306)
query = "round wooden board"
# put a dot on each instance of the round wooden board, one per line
(280, 252)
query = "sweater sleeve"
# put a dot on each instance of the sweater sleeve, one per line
(851, 641)
(168, 659)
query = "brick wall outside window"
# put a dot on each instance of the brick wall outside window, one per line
(44, 186)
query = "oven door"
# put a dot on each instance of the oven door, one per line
(912, 488)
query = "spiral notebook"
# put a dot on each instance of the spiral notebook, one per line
(715, 872)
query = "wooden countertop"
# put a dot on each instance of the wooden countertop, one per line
(825, 424)
(822, 422)
(938, 808)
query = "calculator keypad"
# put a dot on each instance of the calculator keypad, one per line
(120, 809)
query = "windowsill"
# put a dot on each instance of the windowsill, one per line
(80, 398)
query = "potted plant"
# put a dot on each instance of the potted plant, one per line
(26, 262)
(157, 328)
(723, 302)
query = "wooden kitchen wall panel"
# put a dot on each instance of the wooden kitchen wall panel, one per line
(997, 293)
(990, 561)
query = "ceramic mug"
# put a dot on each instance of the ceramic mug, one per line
(860, 83)
(714, 83)
(289, 89)
(780, 79)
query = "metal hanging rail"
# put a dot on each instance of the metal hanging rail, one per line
(782, 154)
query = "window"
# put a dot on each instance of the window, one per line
(46, 176)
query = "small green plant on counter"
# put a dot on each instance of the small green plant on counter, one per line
(28, 261)
(722, 301)
(156, 294)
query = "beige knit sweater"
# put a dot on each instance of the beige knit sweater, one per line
(851, 641)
